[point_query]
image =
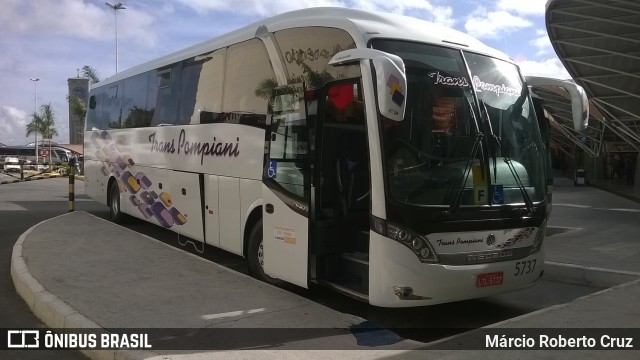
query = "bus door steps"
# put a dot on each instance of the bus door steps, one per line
(358, 257)
(354, 271)
(358, 293)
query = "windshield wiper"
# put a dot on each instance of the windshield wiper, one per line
(455, 204)
(507, 159)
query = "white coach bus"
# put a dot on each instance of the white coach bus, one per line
(389, 158)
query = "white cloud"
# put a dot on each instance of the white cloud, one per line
(542, 42)
(443, 15)
(523, 7)
(439, 14)
(13, 123)
(255, 7)
(550, 68)
(76, 19)
(492, 24)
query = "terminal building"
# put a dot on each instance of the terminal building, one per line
(599, 44)
(78, 87)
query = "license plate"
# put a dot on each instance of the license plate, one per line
(489, 279)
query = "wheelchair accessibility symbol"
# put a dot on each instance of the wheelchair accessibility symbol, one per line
(497, 194)
(272, 170)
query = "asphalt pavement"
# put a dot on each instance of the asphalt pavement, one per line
(78, 271)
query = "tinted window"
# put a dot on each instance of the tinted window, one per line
(94, 114)
(247, 68)
(166, 104)
(208, 100)
(307, 51)
(344, 105)
(188, 89)
(112, 106)
(134, 107)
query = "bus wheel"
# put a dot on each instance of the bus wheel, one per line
(115, 214)
(255, 256)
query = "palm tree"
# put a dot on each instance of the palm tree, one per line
(43, 123)
(90, 74)
(34, 128)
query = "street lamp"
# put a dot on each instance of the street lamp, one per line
(117, 6)
(35, 110)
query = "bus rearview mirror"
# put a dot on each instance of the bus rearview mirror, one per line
(391, 79)
(577, 95)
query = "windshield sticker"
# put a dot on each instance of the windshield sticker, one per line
(480, 86)
(272, 169)
(497, 195)
(449, 80)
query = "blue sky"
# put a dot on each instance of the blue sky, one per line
(51, 39)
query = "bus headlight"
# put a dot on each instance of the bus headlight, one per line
(420, 245)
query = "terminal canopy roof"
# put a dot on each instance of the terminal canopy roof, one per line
(598, 41)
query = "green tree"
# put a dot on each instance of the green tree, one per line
(77, 106)
(43, 123)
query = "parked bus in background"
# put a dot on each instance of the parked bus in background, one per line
(63, 154)
(389, 158)
(28, 153)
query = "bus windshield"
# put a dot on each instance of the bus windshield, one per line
(469, 135)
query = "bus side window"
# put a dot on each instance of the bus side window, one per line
(166, 104)
(134, 108)
(111, 111)
(188, 90)
(288, 152)
(94, 114)
(246, 69)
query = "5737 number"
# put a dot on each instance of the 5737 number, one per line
(525, 267)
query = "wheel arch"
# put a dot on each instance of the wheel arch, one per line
(254, 216)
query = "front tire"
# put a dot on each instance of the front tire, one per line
(255, 256)
(115, 213)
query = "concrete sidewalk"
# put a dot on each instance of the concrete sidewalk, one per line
(79, 271)
(95, 274)
(592, 235)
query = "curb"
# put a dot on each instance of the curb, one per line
(41, 177)
(55, 312)
(587, 275)
(616, 192)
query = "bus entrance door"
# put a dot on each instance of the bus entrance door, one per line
(285, 191)
(285, 234)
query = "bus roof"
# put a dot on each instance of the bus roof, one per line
(362, 25)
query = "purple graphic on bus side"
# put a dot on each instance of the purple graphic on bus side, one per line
(148, 202)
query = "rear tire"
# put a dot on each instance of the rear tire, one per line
(255, 256)
(115, 213)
